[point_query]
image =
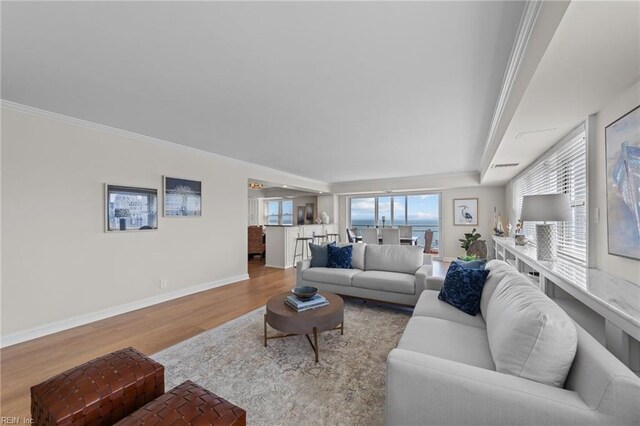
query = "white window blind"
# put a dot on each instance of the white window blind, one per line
(562, 169)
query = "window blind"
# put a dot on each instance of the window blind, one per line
(562, 169)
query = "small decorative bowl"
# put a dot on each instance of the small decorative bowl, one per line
(304, 293)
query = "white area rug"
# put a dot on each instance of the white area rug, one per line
(281, 384)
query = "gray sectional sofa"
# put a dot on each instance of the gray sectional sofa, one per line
(521, 361)
(396, 274)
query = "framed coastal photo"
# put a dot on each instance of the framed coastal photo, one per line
(182, 197)
(129, 208)
(622, 153)
(465, 211)
(310, 210)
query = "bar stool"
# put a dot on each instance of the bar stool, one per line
(320, 238)
(333, 237)
(301, 255)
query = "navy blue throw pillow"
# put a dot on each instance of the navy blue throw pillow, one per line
(462, 288)
(320, 254)
(339, 257)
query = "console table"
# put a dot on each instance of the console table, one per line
(606, 306)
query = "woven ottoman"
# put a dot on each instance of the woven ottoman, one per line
(99, 392)
(187, 404)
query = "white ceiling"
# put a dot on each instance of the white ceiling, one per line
(331, 91)
(593, 57)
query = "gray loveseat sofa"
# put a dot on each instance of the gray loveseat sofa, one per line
(389, 273)
(449, 367)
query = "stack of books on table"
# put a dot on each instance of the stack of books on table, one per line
(298, 305)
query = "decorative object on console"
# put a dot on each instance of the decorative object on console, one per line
(130, 208)
(521, 240)
(465, 211)
(547, 207)
(498, 229)
(622, 148)
(325, 218)
(182, 197)
(339, 257)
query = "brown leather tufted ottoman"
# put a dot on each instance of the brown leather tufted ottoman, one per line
(187, 404)
(99, 392)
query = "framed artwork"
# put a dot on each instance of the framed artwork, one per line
(465, 211)
(622, 153)
(182, 197)
(309, 212)
(301, 215)
(129, 208)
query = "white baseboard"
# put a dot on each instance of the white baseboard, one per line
(44, 330)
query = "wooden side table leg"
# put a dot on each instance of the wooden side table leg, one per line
(315, 342)
(265, 330)
(342, 328)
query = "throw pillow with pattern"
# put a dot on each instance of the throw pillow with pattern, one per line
(462, 288)
(340, 257)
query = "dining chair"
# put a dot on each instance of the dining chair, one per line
(391, 236)
(406, 231)
(351, 235)
(370, 236)
(428, 240)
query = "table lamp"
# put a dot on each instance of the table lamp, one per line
(543, 208)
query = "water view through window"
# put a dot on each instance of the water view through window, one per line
(420, 211)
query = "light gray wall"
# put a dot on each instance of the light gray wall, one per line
(60, 265)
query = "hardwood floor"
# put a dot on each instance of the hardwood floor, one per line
(148, 330)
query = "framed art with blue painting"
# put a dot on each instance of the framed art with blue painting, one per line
(622, 152)
(129, 208)
(465, 211)
(182, 197)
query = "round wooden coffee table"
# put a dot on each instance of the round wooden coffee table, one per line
(292, 323)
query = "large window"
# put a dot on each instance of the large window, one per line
(563, 169)
(420, 211)
(279, 212)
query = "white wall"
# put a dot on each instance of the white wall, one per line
(488, 197)
(329, 204)
(628, 269)
(59, 264)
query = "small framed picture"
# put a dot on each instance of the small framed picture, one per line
(182, 197)
(465, 211)
(129, 208)
(300, 215)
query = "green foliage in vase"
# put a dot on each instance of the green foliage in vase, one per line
(468, 258)
(469, 238)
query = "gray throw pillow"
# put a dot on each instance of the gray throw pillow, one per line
(319, 254)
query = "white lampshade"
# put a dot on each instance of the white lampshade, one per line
(548, 207)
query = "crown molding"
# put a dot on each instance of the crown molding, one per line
(25, 109)
(518, 51)
(538, 24)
